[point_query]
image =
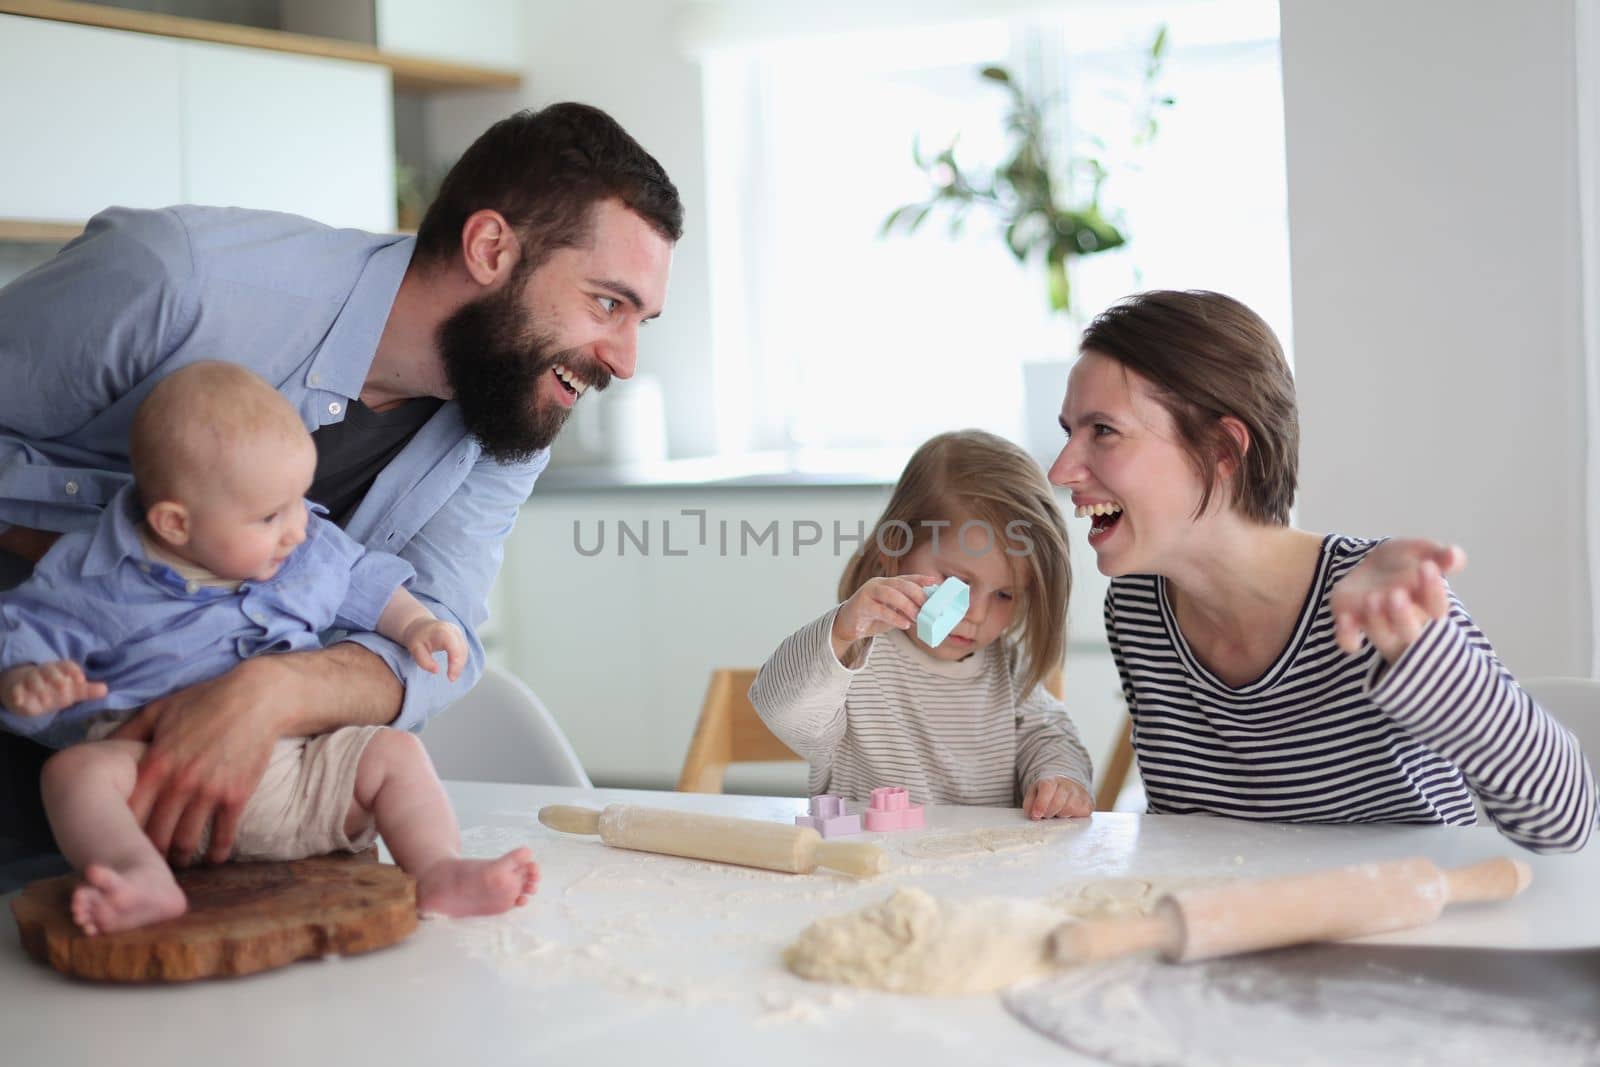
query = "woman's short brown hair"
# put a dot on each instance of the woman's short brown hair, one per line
(973, 475)
(1207, 356)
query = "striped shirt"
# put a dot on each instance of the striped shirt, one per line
(1324, 736)
(950, 733)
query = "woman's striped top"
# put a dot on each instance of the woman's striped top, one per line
(950, 733)
(1324, 736)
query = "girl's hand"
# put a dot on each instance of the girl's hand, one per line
(1050, 797)
(425, 637)
(881, 605)
(45, 688)
(1393, 594)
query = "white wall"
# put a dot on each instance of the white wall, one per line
(622, 56)
(1433, 203)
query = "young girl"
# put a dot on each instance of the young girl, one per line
(968, 722)
(1239, 638)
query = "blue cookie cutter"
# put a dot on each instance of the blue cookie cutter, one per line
(946, 605)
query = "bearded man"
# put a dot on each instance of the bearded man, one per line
(433, 373)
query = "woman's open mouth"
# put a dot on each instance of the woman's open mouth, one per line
(1103, 520)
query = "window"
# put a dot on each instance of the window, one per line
(829, 337)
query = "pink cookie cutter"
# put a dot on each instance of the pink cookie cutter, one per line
(890, 808)
(829, 818)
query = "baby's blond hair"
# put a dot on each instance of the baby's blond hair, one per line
(195, 423)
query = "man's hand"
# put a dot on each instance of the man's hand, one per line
(209, 744)
(1050, 797)
(37, 689)
(1392, 594)
(208, 748)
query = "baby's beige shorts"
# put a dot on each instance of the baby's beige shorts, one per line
(299, 808)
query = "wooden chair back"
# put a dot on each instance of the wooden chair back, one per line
(729, 731)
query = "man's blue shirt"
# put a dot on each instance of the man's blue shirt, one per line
(138, 626)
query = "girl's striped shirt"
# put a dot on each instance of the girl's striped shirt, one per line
(951, 733)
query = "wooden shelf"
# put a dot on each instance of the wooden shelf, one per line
(35, 231)
(411, 73)
(38, 231)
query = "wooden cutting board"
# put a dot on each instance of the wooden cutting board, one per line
(242, 918)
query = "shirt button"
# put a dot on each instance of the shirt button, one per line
(316, 379)
(335, 407)
(191, 587)
(72, 488)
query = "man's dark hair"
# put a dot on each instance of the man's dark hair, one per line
(544, 171)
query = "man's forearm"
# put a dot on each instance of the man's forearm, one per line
(345, 685)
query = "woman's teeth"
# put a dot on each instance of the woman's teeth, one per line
(1085, 510)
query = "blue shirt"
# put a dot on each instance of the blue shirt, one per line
(86, 335)
(140, 627)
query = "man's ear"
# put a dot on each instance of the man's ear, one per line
(170, 521)
(489, 247)
(1241, 437)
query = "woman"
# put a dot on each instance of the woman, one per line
(1274, 673)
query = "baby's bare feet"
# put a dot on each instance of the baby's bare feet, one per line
(459, 887)
(107, 900)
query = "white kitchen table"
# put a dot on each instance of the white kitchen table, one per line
(625, 957)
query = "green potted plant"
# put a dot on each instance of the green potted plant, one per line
(1048, 209)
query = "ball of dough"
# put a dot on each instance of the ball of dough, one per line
(916, 943)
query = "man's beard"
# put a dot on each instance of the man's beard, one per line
(494, 360)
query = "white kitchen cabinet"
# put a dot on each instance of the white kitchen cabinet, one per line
(487, 32)
(306, 135)
(90, 118)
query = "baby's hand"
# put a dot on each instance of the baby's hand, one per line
(1392, 594)
(425, 637)
(1051, 797)
(45, 688)
(881, 605)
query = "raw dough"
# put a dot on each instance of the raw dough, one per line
(914, 943)
(975, 842)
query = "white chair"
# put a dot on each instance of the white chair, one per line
(1575, 704)
(501, 732)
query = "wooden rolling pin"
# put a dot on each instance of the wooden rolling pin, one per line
(1371, 898)
(747, 842)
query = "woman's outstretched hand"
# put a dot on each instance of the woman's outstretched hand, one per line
(1393, 594)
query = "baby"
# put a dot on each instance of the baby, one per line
(212, 555)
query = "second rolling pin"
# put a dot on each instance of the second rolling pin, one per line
(1371, 898)
(720, 838)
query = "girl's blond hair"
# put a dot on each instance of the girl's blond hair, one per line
(966, 475)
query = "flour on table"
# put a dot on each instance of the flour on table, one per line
(915, 943)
